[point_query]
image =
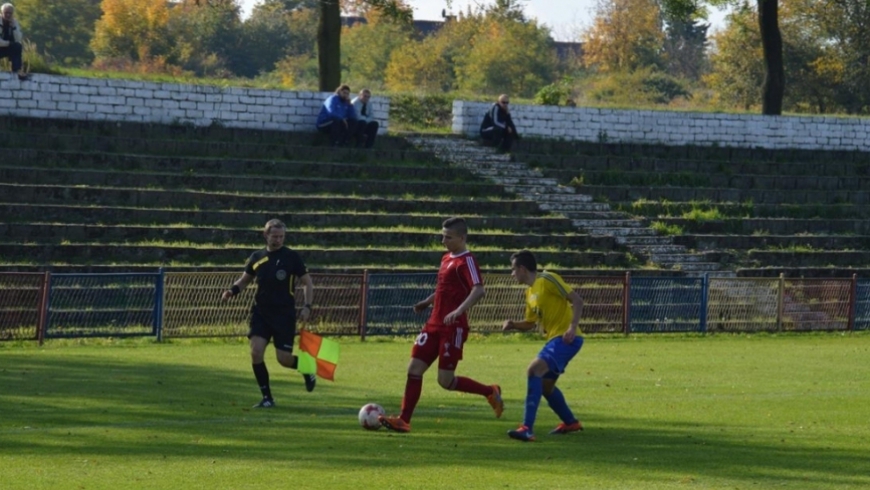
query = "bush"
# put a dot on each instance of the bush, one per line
(421, 112)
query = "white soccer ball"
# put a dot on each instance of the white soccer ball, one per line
(368, 416)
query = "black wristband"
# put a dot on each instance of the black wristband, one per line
(235, 290)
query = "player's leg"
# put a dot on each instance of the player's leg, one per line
(534, 388)
(558, 354)
(258, 345)
(451, 346)
(557, 403)
(285, 333)
(423, 353)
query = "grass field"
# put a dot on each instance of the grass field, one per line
(660, 412)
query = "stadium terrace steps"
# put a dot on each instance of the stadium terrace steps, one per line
(551, 196)
(317, 258)
(131, 216)
(91, 196)
(799, 212)
(53, 233)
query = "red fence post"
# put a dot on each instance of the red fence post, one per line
(363, 305)
(626, 288)
(853, 299)
(43, 308)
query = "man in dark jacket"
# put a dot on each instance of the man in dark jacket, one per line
(337, 117)
(497, 127)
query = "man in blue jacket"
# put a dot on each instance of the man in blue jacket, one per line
(337, 117)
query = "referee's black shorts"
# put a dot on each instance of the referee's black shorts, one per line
(278, 324)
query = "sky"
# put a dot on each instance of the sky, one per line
(565, 18)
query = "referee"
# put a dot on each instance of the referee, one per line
(277, 270)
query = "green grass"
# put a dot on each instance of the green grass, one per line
(660, 412)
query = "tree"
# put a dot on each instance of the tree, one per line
(207, 36)
(507, 56)
(773, 88)
(62, 30)
(737, 61)
(685, 41)
(132, 29)
(329, 35)
(625, 35)
(368, 48)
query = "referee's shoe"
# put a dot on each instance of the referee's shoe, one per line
(310, 382)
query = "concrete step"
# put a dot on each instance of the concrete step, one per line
(699, 267)
(571, 206)
(606, 223)
(535, 186)
(645, 240)
(598, 215)
(518, 170)
(528, 181)
(678, 258)
(657, 249)
(621, 232)
(543, 191)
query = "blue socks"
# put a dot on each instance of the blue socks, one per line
(533, 399)
(556, 400)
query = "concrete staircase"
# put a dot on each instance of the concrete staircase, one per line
(589, 217)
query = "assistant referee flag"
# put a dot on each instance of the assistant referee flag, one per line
(318, 355)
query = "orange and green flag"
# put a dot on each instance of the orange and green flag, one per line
(317, 355)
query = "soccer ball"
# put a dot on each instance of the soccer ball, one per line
(368, 416)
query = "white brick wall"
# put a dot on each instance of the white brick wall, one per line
(675, 128)
(58, 97)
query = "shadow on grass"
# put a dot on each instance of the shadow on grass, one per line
(96, 407)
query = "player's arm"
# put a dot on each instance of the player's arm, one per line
(237, 287)
(521, 325)
(422, 305)
(577, 311)
(477, 292)
(308, 294)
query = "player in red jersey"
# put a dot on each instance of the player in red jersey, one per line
(459, 287)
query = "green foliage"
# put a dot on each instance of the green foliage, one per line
(625, 35)
(642, 87)
(701, 215)
(663, 228)
(62, 30)
(421, 112)
(555, 93)
(507, 57)
(367, 49)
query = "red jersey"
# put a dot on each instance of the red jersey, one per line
(457, 275)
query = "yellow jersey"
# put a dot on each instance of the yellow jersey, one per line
(547, 304)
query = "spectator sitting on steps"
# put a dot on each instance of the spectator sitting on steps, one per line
(497, 127)
(367, 130)
(337, 117)
(10, 40)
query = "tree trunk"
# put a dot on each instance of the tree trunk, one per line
(771, 42)
(329, 45)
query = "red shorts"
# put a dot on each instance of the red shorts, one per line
(442, 342)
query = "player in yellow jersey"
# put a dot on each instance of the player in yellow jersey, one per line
(557, 308)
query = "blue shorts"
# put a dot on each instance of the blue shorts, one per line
(557, 354)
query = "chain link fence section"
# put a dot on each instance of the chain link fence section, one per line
(742, 304)
(505, 300)
(816, 304)
(338, 304)
(102, 305)
(603, 303)
(21, 298)
(193, 308)
(389, 302)
(192, 305)
(862, 305)
(666, 304)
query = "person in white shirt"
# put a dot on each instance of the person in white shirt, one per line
(367, 127)
(10, 40)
